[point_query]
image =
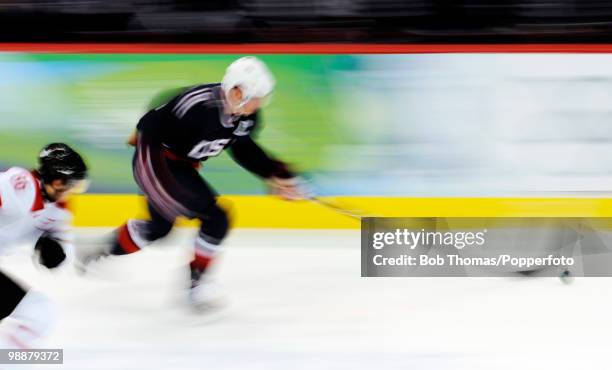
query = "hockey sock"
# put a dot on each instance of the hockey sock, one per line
(123, 244)
(206, 248)
(198, 266)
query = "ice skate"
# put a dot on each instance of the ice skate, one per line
(205, 295)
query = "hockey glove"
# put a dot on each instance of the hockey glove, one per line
(50, 252)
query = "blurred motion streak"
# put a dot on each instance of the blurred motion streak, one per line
(379, 125)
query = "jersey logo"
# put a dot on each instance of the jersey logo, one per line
(243, 128)
(208, 148)
(19, 182)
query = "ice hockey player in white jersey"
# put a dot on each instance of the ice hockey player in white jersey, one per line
(33, 212)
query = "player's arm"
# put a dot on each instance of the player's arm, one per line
(278, 176)
(252, 158)
(149, 135)
(152, 127)
(149, 125)
(2, 196)
(55, 247)
(133, 138)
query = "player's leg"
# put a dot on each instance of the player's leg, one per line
(12, 294)
(203, 293)
(155, 178)
(213, 229)
(200, 200)
(137, 234)
(151, 173)
(129, 238)
(25, 315)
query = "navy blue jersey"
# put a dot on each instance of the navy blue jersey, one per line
(195, 126)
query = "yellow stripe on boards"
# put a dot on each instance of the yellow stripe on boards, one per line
(258, 211)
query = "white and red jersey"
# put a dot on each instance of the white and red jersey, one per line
(25, 215)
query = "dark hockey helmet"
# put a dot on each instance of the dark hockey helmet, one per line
(58, 161)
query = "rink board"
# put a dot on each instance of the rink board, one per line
(253, 211)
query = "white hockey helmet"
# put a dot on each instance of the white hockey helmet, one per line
(252, 77)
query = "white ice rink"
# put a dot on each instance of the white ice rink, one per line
(298, 302)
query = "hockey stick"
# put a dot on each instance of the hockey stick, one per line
(352, 213)
(306, 184)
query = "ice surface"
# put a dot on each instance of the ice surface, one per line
(298, 302)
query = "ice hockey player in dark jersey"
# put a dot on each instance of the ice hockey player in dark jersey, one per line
(33, 212)
(171, 141)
